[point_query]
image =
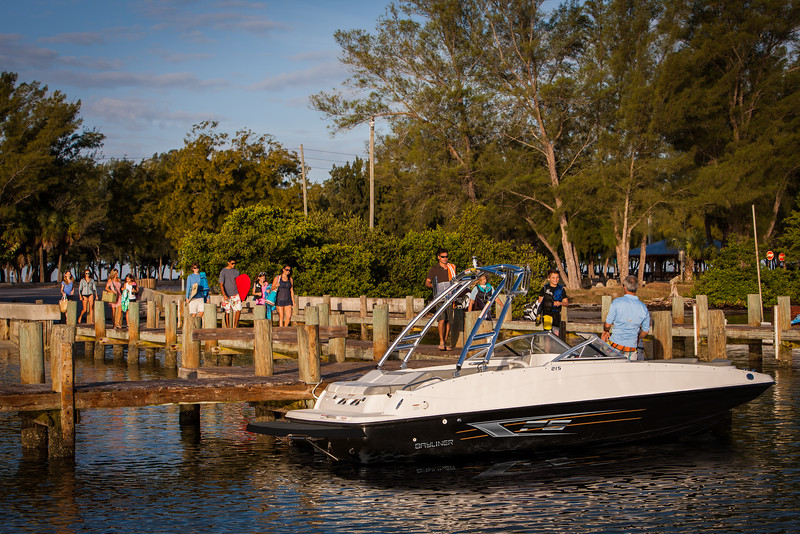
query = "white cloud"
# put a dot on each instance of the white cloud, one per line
(76, 38)
(140, 113)
(15, 54)
(183, 80)
(316, 76)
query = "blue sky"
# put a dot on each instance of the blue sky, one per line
(146, 71)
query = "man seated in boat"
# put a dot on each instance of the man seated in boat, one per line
(627, 322)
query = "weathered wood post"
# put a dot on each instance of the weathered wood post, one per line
(662, 335)
(170, 335)
(498, 306)
(717, 342)
(363, 314)
(152, 314)
(308, 347)
(755, 348)
(457, 337)
(262, 345)
(701, 318)
(61, 333)
(171, 323)
(134, 319)
(99, 320)
(62, 433)
(410, 307)
(31, 360)
(678, 317)
(604, 307)
(380, 331)
(337, 347)
(31, 353)
(133, 333)
(324, 311)
(470, 318)
(71, 317)
(210, 321)
(783, 322)
(190, 357)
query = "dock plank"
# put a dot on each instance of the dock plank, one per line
(220, 384)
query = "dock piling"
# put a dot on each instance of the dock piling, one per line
(337, 346)
(755, 349)
(717, 340)
(380, 331)
(782, 318)
(662, 335)
(262, 347)
(308, 348)
(31, 353)
(99, 320)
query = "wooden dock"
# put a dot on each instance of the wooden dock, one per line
(48, 411)
(210, 385)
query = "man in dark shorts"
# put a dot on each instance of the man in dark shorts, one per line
(231, 303)
(440, 275)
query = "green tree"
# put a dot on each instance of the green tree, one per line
(347, 190)
(733, 104)
(44, 161)
(531, 62)
(417, 72)
(214, 174)
(633, 166)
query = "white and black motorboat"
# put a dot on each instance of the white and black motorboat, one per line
(531, 392)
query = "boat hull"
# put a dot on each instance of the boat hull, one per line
(530, 428)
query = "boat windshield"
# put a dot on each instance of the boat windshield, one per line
(593, 348)
(521, 346)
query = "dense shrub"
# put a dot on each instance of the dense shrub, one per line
(732, 276)
(342, 256)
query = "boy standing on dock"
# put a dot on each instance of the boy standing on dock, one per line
(552, 297)
(231, 303)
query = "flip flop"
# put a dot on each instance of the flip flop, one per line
(442, 347)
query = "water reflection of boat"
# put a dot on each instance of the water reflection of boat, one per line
(527, 393)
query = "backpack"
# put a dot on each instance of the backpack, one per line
(203, 288)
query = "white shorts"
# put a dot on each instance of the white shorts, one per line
(233, 304)
(196, 306)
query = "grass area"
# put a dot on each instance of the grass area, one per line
(651, 291)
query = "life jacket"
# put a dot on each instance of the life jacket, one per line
(482, 297)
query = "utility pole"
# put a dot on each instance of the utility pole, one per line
(372, 172)
(305, 185)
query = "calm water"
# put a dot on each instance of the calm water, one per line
(135, 471)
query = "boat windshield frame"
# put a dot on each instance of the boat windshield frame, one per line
(592, 348)
(514, 280)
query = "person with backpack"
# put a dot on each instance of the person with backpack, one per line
(196, 291)
(480, 295)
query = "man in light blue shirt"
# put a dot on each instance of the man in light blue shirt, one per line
(630, 321)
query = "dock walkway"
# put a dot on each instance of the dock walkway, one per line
(201, 385)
